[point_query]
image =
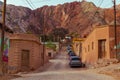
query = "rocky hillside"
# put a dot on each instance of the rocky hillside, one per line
(17, 18)
(77, 17)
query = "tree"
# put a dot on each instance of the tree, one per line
(59, 33)
(51, 45)
(73, 34)
(44, 38)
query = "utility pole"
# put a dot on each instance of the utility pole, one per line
(83, 0)
(115, 27)
(43, 38)
(2, 38)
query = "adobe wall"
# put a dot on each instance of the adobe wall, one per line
(19, 42)
(90, 45)
(112, 40)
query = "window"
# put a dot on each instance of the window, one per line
(92, 45)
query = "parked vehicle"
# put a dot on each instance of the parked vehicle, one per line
(69, 50)
(75, 61)
(71, 54)
(69, 47)
(75, 57)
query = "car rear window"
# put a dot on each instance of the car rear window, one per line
(75, 59)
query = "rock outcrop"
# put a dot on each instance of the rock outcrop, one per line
(78, 17)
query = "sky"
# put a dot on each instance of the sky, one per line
(33, 4)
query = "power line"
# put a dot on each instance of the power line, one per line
(108, 4)
(92, 17)
(97, 8)
(32, 4)
(87, 9)
(101, 3)
(41, 1)
(96, 11)
(29, 4)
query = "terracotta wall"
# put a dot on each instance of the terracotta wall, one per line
(90, 45)
(19, 42)
(112, 41)
(76, 47)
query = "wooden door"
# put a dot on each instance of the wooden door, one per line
(101, 49)
(25, 58)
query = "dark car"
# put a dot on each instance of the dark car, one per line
(75, 61)
(69, 47)
(71, 54)
(69, 50)
(75, 58)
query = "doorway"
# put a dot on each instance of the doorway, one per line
(25, 58)
(101, 48)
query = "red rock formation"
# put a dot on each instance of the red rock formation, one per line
(76, 16)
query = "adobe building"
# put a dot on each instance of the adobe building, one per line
(25, 53)
(77, 46)
(100, 44)
(51, 53)
(7, 31)
(22, 52)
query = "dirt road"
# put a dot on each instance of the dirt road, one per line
(58, 69)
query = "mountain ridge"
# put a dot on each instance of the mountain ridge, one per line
(76, 16)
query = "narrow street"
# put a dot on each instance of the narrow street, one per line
(58, 69)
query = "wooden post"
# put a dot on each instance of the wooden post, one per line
(2, 72)
(115, 27)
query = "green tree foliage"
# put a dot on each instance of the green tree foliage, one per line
(44, 38)
(51, 45)
(73, 34)
(59, 32)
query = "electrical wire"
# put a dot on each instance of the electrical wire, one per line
(41, 1)
(89, 8)
(32, 4)
(118, 1)
(92, 18)
(108, 3)
(29, 4)
(100, 1)
(96, 12)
